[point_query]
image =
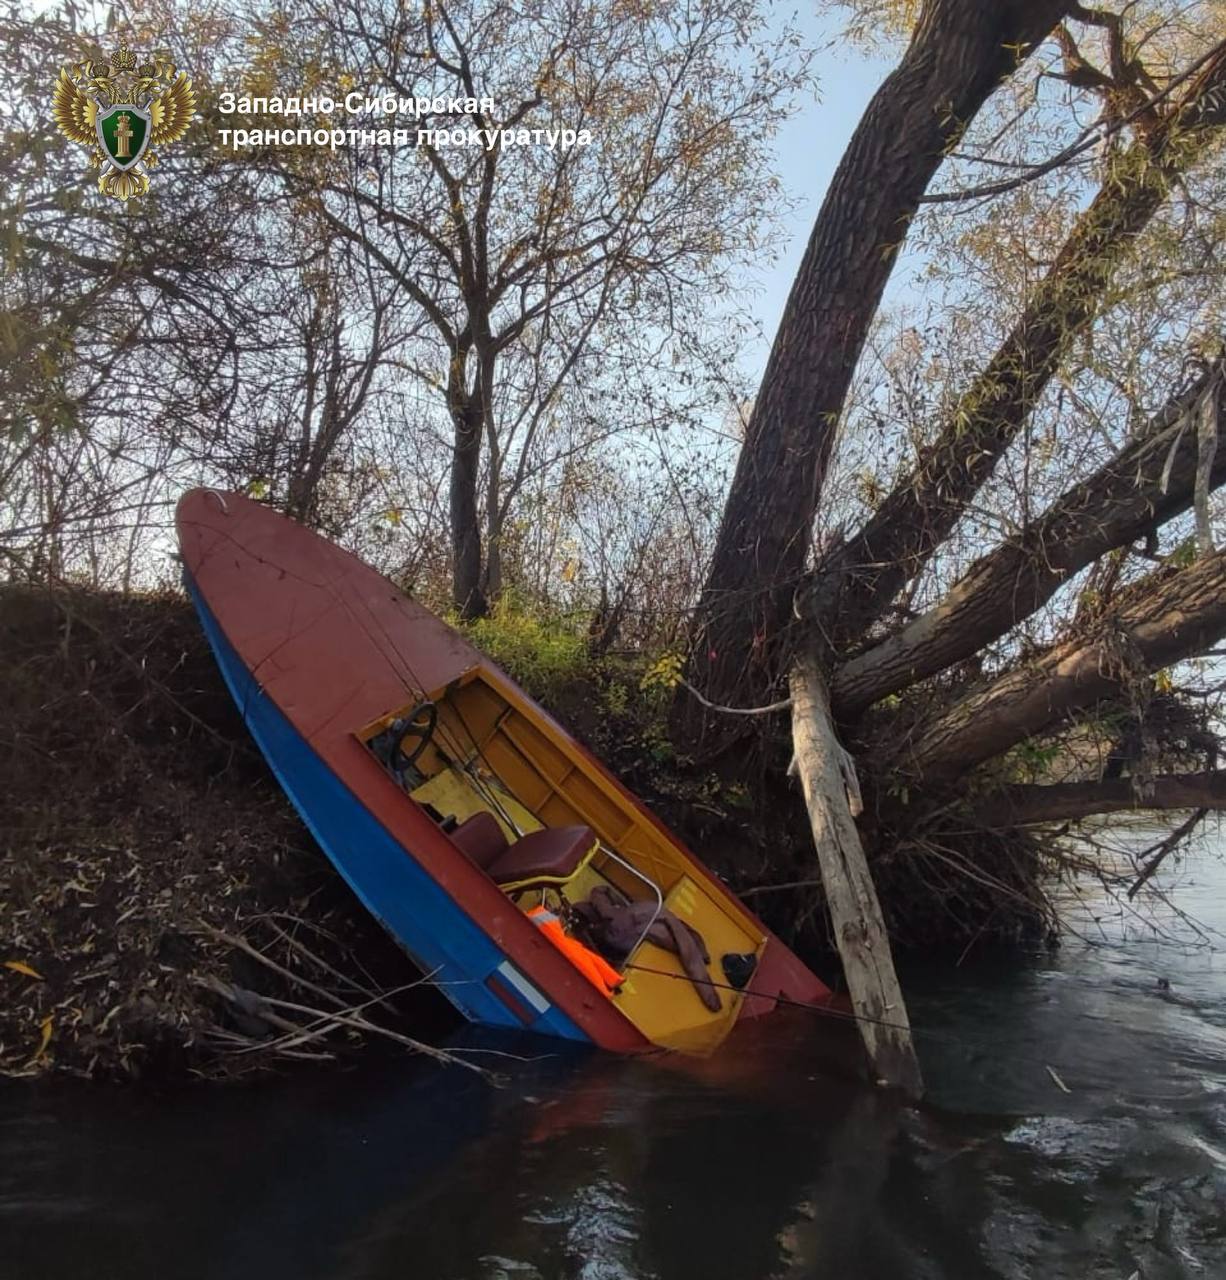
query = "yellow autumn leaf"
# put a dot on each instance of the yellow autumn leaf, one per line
(45, 1028)
(20, 966)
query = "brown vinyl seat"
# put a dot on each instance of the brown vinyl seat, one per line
(551, 855)
(481, 839)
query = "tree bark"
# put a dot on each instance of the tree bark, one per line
(857, 581)
(1166, 617)
(1022, 806)
(467, 410)
(467, 595)
(1147, 483)
(826, 775)
(961, 51)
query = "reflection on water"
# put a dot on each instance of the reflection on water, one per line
(759, 1163)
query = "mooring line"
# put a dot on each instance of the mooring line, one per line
(823, 1010)
(946, 1037)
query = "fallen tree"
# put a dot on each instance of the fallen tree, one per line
(1004, 657)
(1148, 483)
(1167, 616)
(1025, 805)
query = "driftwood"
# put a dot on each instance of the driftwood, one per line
(827, 777)
(1158, 854)
(263, 1012)
(322, 1022)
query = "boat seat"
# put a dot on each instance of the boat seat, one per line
(480, 838)
(549, 856)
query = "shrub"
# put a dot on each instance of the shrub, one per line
(540, 650)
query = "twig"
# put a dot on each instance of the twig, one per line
(327, 968)
(1090, 138)
(782, 705)
(1167, 846)
(778, 888)
(241, 944)
(312, 1031)
(1051, 1071)
(363, 1024)
(267, 1006)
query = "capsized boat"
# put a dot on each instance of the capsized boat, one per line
(461, 813)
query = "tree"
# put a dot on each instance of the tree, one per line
(944, 684)
(960, 52)
(541, 268)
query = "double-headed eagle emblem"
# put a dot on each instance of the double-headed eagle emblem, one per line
(121, 111)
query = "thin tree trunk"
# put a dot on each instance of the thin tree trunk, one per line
(468, 425)
(467, 595)
(494, 510)
(826, 776)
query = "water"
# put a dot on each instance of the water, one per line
(760, 1163)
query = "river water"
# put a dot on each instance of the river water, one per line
(763, 1162)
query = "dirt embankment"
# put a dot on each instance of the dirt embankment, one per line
(154, 879)
(140, 835)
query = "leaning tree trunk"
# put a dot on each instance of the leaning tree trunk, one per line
(1164, 618)
(1149, 482)
(962, 50)
(859, 579)
(827, 777)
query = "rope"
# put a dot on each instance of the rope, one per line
(822, 1010)
(841, 1015)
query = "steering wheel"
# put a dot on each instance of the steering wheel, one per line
(420, 724)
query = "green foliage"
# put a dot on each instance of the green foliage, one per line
(663, 675)
(616, 698)
(657, 743)
(541, 651)
(737, 795)
(1184, 555)
(1036, 757)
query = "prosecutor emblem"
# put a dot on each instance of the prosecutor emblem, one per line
(121, 111)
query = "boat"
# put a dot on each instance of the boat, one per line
(461, 814)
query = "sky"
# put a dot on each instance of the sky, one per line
(809, 147)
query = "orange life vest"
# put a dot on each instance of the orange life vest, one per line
(593, 966)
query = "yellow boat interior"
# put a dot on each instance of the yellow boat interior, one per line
(550, 829)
